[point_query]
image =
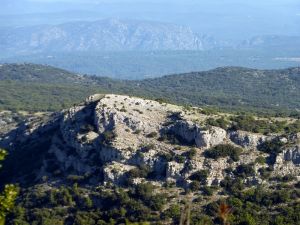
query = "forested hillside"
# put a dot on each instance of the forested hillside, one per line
(230, 88)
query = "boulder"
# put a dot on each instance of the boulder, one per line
(210, 138)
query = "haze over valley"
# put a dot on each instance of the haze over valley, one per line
(112, 38)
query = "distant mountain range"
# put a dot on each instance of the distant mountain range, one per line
(123, 35)
(103, 35)
(131, 49)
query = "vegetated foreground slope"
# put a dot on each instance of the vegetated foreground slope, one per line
(114, 158)
(231, 88)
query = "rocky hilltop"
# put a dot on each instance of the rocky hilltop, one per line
(115, 158)
(107, 138)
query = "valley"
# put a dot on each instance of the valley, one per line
(139, 49)
(138, 65)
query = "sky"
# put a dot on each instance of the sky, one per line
(227, 19)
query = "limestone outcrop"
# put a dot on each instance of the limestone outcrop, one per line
(211, 137)
(288, 162)
(194, 134)
(106, 137)
(246, 139)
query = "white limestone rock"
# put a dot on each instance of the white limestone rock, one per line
(246, 139)
(174, 170)
(193, 133)
(288, 162)
(211, 137)
(116, 172)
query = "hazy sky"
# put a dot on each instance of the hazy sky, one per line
(221, 18)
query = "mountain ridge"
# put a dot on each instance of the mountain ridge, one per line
(109, 34)
(231, 88)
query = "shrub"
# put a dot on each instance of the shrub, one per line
(260, 160)
(224, 150)
(144, 190)
(202, 220)
(173, 212)
(209, 111)
(249, 123)
(108, 136)
(7, 200)
(166, 156)
(200, 176)
(137, 132)
(161, 100)
(244, 171)
(139, 111)
(175, 139)
(157, 202)
(209, 191)
(123, 109)
(286, 178)
(293, 127)
(147, 147)
(152, 135)
(88, 203)
(191, 154)
(141, 172)
(220, 122)
(232, 186)
(180, 158)
(272, 147)
(265, 173)
(195, 186)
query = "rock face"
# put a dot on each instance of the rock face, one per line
(174, 170)
(246, 139)
(112, 138)
(194, 134)
(288, 162)
(211, 137)
(116, 172)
